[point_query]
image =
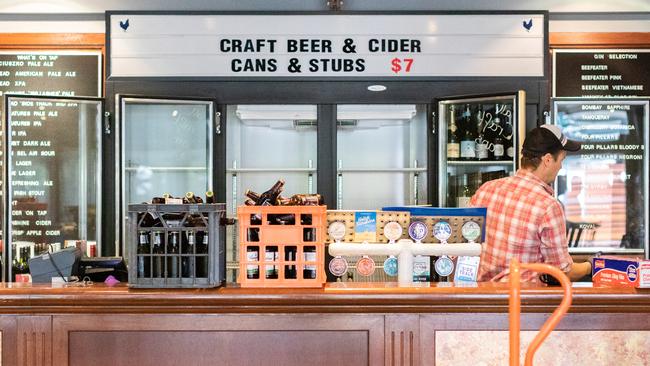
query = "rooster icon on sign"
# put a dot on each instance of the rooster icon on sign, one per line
(124, 24)
(528, 24)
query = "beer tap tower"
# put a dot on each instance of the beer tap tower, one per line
(406, 249)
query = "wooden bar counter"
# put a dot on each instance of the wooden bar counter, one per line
(368, 324)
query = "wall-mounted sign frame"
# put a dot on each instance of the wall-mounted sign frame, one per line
(601, 73)
(312, 45)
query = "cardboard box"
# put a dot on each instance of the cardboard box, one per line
(621, 272)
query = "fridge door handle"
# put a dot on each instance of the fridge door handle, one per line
(217, 123)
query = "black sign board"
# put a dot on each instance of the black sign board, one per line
(601, 73)
(604, 187)
(45, 73)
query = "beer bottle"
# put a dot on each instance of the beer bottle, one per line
(158, 200)
(453, 146)
(499, 150)
(507, 135)
(249, 202)
(209, 197)
(188, 262)
(464, 193)
(172, 261)
(481, 142)
(253, 196)
(468, 142)
(306, 199)
(309, 255)
(271, 255)
(284, 201)
(158, 252)
(202, 248)
(290, 256)
(144, 263)
(189, 198)
(270, 197)
(252, 270)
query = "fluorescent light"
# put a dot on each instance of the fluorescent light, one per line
(377, 88)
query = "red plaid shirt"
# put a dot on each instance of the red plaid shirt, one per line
(525, 221)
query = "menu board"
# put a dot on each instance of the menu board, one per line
(601, 73)
(43, 131)
(604, 186)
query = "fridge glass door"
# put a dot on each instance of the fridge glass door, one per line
(166, 148)
(53, 170)
(479, 140)
(604, 186)
(382, 156)
(266, 143)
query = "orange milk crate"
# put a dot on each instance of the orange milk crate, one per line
(282, 246)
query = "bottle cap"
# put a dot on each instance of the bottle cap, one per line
(444, 266)
(390, 266)
(336, 230)
(442, 230)
(338, 266)
(392, 231)
(418, 230)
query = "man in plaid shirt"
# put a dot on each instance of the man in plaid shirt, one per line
(524, 220)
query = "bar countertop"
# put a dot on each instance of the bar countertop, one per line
(17, 298)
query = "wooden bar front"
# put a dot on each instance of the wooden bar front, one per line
(366, 325)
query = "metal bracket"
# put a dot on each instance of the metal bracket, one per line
(217, 123)
(107, 123)
(433, 123)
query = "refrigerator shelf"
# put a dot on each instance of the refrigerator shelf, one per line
(480, 163)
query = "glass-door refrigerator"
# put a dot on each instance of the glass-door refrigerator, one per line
(166, 146)
(604, 186)
(480, 139)
(382, 156)
(52, 169)
(266, 143)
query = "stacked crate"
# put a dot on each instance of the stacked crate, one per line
(281, 246)
(176, 245)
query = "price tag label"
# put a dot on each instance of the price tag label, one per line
(401, 65)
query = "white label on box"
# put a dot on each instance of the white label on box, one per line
(644, 274)
(467, 268)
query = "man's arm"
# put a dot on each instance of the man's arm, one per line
(554, 246)
(579, 270)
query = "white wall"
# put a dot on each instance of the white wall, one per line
(87, 16)
(99, 6)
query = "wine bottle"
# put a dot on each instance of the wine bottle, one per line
(453, 146)
(468, 142)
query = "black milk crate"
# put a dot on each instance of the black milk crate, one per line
(176, 246)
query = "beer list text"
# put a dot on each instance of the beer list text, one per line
(353, 60)
(41, 135)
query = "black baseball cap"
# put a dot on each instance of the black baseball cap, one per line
(547, 139)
